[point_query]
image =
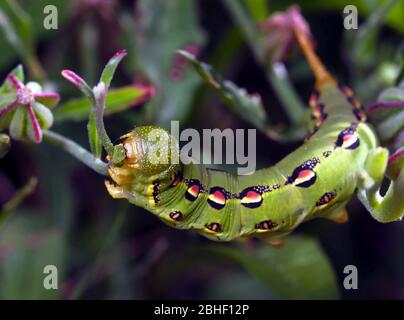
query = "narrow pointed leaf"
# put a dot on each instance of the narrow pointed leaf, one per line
(79, 83)
(109, 70)
(19, 73)
(49, 100)
(118, 100)
(93, 138)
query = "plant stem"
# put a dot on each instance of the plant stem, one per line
(16, 200)
(98, 110)
(293, 105)
(76, 151)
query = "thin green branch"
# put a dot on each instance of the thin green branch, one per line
(117, 153)
(100, 94)
(76, 151)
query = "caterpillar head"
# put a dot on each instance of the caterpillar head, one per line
(150, 150)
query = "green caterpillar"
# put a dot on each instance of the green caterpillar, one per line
(316, 180)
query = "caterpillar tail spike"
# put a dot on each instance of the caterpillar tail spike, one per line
(320, 72)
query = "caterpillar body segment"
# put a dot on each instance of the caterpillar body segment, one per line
(340, 155)
(316, 180)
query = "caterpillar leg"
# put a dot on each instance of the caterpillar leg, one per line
(389, 207)
(117, 192)
(339, 216)
(277, 243)
(274, 240)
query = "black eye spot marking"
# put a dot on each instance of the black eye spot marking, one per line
(251, 198)
(326, 198)
(266, 225)
(217, 197)
(304, 176)
(156, 192)
(348, 138)
(194, 188)
(176, 215)
(326, 154)
(214, 227)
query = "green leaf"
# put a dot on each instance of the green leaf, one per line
(44, 115)
(18, 124)
(18, 71)
(164, 27)
(110, 67)
(79, 83)
(93, 138)
(6, 99)
(299, 270)
(118, 100)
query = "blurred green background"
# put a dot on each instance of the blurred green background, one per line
(108, 249)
